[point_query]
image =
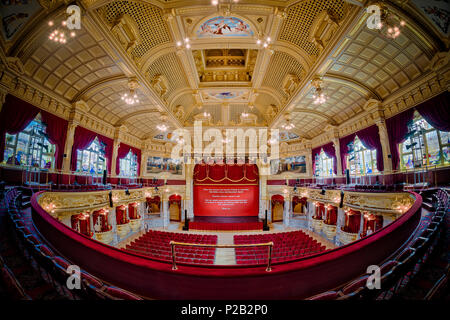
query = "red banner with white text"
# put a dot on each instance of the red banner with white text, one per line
(226, 200)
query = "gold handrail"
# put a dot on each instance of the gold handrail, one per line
(267, 244)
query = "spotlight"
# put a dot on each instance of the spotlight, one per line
(341, 203)
(127, 192)
(323, 191)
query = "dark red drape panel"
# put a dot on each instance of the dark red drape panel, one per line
(16, 114)
(397, 128)
(122, 153)
(235, 171)
(436, 111)
(57, 132)
(200, 172)
(83, 138)
(330, 152)
(251, 172)
(217, 172)
(369, 138)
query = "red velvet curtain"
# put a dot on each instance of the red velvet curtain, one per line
(277, 198)
(217, 172)
(200, 172)
(122, 153)
(330, 152)
(436, 111)
(251, 172)
(352, 221)
(83, 138)
(235, 171)
(331, 217)
(16, 114)
(57, 132)
(227, 173)
(397, 128)
(369, 138)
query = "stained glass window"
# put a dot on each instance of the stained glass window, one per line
(324, 165)
(361, 160)
(128, 165)
(30, 147)
(424, 146)
(92, 160)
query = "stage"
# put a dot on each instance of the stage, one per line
(212, 223)
(212, 219)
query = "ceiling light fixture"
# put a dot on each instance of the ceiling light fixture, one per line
(319, 96)
(390, 24)
(58, 34)
(264, 42)
(186, 43)
(162, 127)
(288, 125)
(131, 97)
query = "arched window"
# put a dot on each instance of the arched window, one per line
(92, 159)
(424, 145)
(324, 165)
(30, 147)
(128, 165)
(360, 160)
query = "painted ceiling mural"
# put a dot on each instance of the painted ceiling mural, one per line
(15, 14)
(225, 95)
(224, 27)
(438, 11)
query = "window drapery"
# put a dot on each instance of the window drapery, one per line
(122, 152)
(83, 138)
(330, 152)
(16, 114)
(369, 138)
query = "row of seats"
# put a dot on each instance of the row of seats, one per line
(287, 246)
(156, 244)
(398, 271)
(52, 266)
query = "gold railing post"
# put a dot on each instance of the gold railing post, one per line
(269, 262)
(174, 265)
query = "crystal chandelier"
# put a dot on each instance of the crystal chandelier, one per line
(162, 127)
(319, 96)
(131, 97)
(58, 34)
(264, 42)
(390, 24)
(186, 43)
(288, 125)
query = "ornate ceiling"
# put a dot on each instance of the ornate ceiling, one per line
(190, 57)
